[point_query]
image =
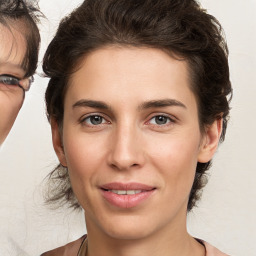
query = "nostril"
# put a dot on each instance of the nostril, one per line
(114, 166)
(123, 166)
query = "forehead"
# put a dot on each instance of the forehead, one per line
(12, 49)
(128, 62)
(142, 74)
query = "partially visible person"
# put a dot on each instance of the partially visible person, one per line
(19, 46)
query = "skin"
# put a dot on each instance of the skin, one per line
(129, 146)
(12, 52)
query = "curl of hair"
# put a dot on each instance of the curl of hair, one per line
(179, 27)
(59, 188)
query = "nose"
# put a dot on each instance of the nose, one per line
(126, 149)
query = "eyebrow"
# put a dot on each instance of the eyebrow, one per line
(91, 104)
(161, 103)
(145, 105)
(17, 66)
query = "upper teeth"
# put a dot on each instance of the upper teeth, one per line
(126, 192)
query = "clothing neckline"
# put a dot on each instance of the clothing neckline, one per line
(209, 249)
(83, 247)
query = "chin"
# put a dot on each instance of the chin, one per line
(129, 229)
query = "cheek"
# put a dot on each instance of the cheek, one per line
(175, 149)
(176, 158)
(10, 103)
(84, 155)
(9, 108)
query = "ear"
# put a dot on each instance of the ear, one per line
(210, 141)
(57, 142)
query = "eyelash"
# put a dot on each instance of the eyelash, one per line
(12, 76)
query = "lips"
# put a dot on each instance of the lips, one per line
(126, 195)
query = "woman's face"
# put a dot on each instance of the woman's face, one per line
(12, 51)
(131, 141)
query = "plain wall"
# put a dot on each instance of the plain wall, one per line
(225, 216)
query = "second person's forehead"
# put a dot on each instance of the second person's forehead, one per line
(12, 49)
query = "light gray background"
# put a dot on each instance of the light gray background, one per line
(226, 215)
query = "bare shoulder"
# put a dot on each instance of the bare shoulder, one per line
(70, 249)
(212, 251)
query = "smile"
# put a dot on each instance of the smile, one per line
(126, 192)
(126, 195)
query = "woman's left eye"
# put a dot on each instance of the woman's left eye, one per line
(160, 120)
(9, 80)
(94, 120)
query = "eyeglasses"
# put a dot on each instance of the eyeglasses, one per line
(12, 81)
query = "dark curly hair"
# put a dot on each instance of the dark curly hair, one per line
(26, 15)
(179, 27)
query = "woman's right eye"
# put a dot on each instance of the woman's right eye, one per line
(94, 120)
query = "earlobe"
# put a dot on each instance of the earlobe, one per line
(210, 141)
(57, 142)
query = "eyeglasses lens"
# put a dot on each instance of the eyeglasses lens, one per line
(9, 82)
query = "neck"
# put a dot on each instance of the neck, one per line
(165, 242)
